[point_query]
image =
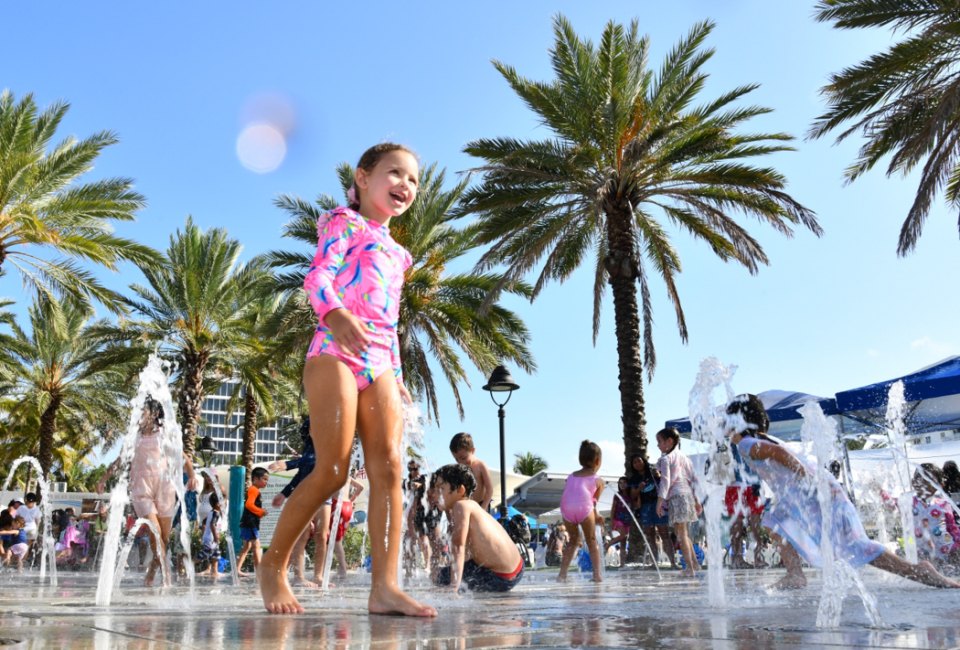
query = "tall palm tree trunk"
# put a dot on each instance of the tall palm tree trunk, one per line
(48, 427)
(191, 397)
(621, 266)
(250, 416)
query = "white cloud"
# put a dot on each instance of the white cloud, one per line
(613, 457)
(926, 344)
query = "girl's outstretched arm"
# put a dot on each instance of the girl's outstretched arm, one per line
(763, 450)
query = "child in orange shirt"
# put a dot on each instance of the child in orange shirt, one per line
(253, 512)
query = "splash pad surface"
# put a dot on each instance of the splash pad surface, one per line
(630, 609)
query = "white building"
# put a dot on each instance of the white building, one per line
(226, 429)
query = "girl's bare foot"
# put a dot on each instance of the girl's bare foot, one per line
(562, 578)
(391, 600)
(151, 573)
(790, 581)
(926, 573)
(277, 596)
(597, 578)
(300, 581)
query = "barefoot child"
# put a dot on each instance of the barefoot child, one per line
(621, 519)
(675, 494)
(210, 548)
(13, 536)
(352, 376)
(461, 446)
(253, 512)
(482, 555)
(154, 471)
(319, 528)
(578, 508)
(794, 520)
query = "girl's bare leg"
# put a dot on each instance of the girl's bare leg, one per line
(321, 537)
(569, 550)
(380, 426)
(668, 547)
(341, 556)
(686, 549)
(158, 547)
(791, 559)
(299, 560)
(650, 534)
(425, 550)
(922, 572)
(593, 546)
(332, 395)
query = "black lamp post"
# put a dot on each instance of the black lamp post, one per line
(501, 382)
(206, 449)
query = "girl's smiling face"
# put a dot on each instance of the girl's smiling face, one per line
(388, 189)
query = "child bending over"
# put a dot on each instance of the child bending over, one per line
(794, 520)
(482, 555)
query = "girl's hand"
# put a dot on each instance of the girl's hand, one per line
(699, 508)
(193, 483)
(348, 331)
(278, 500)
(277, 466)
(404, 394)
(660, 507)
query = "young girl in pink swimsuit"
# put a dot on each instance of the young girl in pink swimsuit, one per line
(153, 492)
(352, 376)
(578, 507)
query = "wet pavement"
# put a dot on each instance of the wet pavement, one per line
(631, 609)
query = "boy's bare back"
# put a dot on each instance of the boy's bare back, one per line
(486, 542)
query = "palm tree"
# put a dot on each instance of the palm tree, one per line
(529, 464)
(628, 151)
(268, 378)
(903, 100)
(189, 312)
(41, 206)
(61, 395)
(439, 310)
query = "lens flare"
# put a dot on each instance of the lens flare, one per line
(261, 147)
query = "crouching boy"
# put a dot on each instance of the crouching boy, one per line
(482, 555)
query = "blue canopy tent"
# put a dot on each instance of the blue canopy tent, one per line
(782, 408)
(932, 395)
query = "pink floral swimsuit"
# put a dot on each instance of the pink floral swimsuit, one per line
(359, 267)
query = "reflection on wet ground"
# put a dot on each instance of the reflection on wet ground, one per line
(630, 610)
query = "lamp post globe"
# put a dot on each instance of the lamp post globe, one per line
(501, 382)
(207, 449)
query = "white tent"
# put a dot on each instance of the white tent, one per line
(540, 495)
(865, 462)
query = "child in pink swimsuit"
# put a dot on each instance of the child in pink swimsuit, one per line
(358, 264)
(578, 508)
(352, 376)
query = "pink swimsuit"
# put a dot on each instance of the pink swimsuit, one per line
(577, 501)
(358, 266)
(152, 491)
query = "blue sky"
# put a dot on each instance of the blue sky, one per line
(179, 83)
